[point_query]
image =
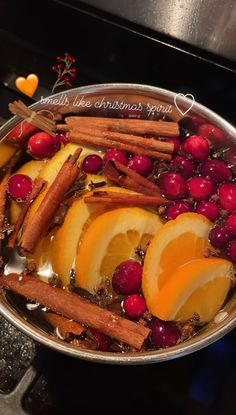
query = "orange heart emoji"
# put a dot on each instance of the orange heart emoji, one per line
(29, 85)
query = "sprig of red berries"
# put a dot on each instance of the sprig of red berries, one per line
(65, 71)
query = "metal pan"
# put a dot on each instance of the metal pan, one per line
(119, 100)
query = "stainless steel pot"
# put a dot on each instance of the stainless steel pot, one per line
(126, 100)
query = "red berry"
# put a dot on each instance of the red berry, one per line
(72, 60)
(227, 196)
(200, 188)
(115, 155)
(231, 223)
(54, 68)
(163, 333)
(43, 145)
(176, 209)
(173, 185)
(92, 164)
(127, 277)
(62, 138)
(141, 164)
(208, 209)
(197, 147)
(73, 75)
(59, 58)
(216, 170)
(212, 133)
(184, 166)
(219, 236)
(175, 141)
(103, 341)
(67, 79)
(19, 186)
(21, 132)
(134, 306)
(59, 66)
(73, 70)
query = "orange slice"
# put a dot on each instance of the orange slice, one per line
(177, 242)
(6, 152)
(68, 236)
(110, 239)
(51, 169)
(200, 286)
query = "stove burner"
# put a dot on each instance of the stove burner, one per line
(11, 404)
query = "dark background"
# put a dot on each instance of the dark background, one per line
(108, 49)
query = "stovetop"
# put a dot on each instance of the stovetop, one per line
(107, 50)
(48, 383)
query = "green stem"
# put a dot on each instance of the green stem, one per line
(57, 84)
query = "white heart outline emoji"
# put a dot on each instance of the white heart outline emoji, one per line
(184, 96)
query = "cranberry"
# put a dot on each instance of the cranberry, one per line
(127, 277)
(208, 209)
(134, 306)
(43, 145)
(164, 333)
(216, 170)
(62, 138)
(173, 185)
(115, 155)
(184, 166)
(200, 188)
(231, 223)
(19, 186)
(22, 132)
(197, 147)
(175, 141)
(176, 209)
(92, 164)
(219, 236)
(103, 341)
(227, 195)
(231, 250)
(212, 133)
(141, 164)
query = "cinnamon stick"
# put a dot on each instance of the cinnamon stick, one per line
(62, 127)
(95, 139)
(3, 197)
(36, 189)
(116, 198)
(74, 307)
(39, 120)
(136, 140)
(130, 126)
(129, 179)
(40, 223)
(64, 325)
